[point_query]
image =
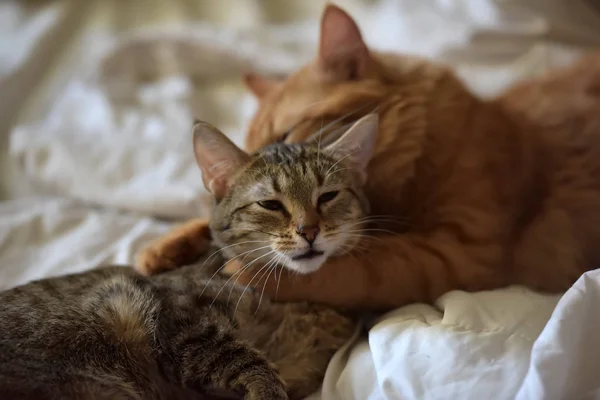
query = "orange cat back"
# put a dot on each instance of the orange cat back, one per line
(465, 193)
(490, 192)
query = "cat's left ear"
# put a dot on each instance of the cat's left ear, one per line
(343, 55)
(218, 158)
(356, 146)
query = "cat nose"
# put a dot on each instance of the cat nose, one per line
(308, 232)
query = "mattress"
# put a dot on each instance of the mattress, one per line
(97, 98)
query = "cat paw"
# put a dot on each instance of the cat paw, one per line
(182, 246)
(152, 261)
(270, 391)
(265, 384)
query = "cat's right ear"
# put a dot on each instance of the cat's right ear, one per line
(218, 158)
(355, 147)
(343, 55)
(259, 85)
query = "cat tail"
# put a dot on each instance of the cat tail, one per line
(128, 309)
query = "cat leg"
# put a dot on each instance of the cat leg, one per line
(183, 245)
(396, 270)
(205, 353)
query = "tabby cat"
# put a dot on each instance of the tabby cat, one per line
(112, 334)
(476, 194)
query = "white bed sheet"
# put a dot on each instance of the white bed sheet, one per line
(130, 159)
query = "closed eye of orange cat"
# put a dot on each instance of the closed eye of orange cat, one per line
(465, 193)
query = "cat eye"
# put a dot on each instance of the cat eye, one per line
(325, 197)
(272, 205)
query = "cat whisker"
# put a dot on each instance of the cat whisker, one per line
(375, 219)
(280, 274)
(344, 228)
(224, 285)
(313, 104)
(269, 272)
(336, 171)
(399, 224)
(386, 217)
(236, 274)
(360, 236)
(375, 230)
(342, 128)
(222, 266)
(390, 216)
(231, 245)
(340, 231)
(367, 220)
(282, 257)
(359, 245)
(250, 282)
(285, 242)
(319, 144)
(239, 273)
(351, 250)
(339, 161)
(343, 117)
(345, 127)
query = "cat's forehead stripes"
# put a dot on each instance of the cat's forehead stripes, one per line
(291, 159)
(294, 170)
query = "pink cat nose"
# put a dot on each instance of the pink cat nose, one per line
(308, 232)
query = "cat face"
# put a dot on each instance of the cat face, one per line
(335, 90)
(292, 205)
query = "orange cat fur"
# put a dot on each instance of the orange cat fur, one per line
(490, 193)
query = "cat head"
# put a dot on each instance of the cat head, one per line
(290, 204)
(338, 87)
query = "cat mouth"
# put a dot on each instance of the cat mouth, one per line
(308, 255)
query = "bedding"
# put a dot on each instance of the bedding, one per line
(99, 163)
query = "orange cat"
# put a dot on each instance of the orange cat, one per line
(489, 193)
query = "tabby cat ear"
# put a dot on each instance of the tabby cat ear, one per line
(356, 146)
(343, 55)
(259, 85)
(217, 156)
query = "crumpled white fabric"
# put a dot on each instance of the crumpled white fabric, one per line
(565, 360)
(42, 237)
(503, 344)
(20, 32)
(468, 346)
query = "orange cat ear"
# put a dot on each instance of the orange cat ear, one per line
(343, 54)
(356, 145)
(218, 158)
(259, 85)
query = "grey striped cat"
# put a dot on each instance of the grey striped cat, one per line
(190, 332)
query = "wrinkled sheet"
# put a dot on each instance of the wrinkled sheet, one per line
(100, 154)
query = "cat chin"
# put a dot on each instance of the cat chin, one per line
(304, 267)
